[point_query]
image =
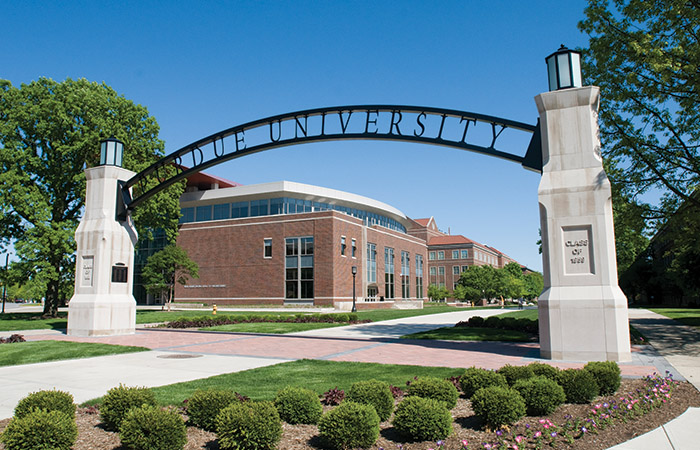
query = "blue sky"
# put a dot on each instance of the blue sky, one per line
(200, 67)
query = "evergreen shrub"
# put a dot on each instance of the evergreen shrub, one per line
(435, 388)
(375, 393)
(606, 374)
(40, 429)
(515, 373)
(153, 428)
(298, 405)
(544, 370)
(497, 406)
(119, 400)
(205, 405)
(476, 321)
(542, 396)
(475, 378)
(579, 385)
(47, 401)
(249, 426)
(349, 425)
(422, 419)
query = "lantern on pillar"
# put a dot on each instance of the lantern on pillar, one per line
(111, 152)
(564, 69)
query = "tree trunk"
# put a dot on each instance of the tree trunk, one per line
(51, 299)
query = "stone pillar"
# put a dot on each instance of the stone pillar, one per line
(582, 311)
(103, 303)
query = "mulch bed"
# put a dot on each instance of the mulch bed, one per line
(92, 436)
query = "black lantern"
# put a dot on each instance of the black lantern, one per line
(111, 152)
(564, 69)
(354, 272)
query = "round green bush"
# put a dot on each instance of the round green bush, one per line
(40, 429)
(544, 370)
(298, 405)
(497, 406)
(542, 396)
(48, 401)
(475, 378)
(152, 428)
(422, 419)
(435, 388)
(606, 374)
(476, 321)
(515, 373)
(249, 426)
(205, 405)
(375, 393)
(492, 322)
(349, 425)
(119, 400)
(579, 385)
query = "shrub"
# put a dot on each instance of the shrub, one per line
(476, 321)
(205, 405)
(47, 401)
(423, 419)
(40, 429)
(544, 370)
(333, 396)
(435, 388)
(542, 396)
(152, 428)
(13, 339)
(342, 317)
(249, 426)
(579, 385)
(492, 322)
(515, 373)
(119, 400)
(475, 379)
(350, 425)
(606, 374)
(298, 405)
(497, 406)
(375, 393)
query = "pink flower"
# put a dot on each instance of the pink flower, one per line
(464, 443)
(538, 434)
(519, 439)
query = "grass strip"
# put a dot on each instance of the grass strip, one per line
(272, 327)
(264, 382)
(686, 316)
(472, 334)
(42, 351)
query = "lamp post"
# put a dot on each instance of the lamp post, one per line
(564, 69)
(4, 283)
(111, 152)
(354, 272)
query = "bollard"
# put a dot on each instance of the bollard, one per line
(213, 311)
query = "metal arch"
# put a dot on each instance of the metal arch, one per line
(532, 159)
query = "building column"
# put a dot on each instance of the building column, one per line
(582, 310)
(103, 303)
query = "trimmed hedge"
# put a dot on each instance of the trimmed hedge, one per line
(40, 429)
(212, 321)
(497, 406)
(47, 401)
(349, 425)
(153, 428)
(298, 405)
(515, 373)
(606, 374)
(423, 419)
(475, 378)
(544, 370)
(205, 405)
(435, 388)
(542, 396)
(119, 400)
(249, 426)
(375, 393)
(579, 385)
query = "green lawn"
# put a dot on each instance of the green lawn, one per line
(41, 351)
(686, 316)
(471, 334)
(264, 382)
(522, 314)
(272, 327)
(31, 321)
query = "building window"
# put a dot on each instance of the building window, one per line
(419, 276)
(464, 268)
(388, 272)
(342, 245)
(354, 248)
(441, 276)
(222, 212)
(299, 268)
(455, 254)
(239, 209)
(371, 263)
(186, 215)
(259, 207)
(441, 255)
(441, 270)
(431, 256)
(464, 254)
(203, 213)
(405, 275)
(267, 245)
(433, 271)
(455, 270)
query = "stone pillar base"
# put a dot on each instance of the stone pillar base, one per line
(584, 323)
(101, 315)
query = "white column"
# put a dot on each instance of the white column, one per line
(103, 305)
(582, 311)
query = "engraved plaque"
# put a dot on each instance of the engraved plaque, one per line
(578, 250)
(86, 271)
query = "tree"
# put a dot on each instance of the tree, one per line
(644, 56)
(167, 267)
(513, 281)
(437, 293)
(534, 283)
(49, 132)
(480, 282)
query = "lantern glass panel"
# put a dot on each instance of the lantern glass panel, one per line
(552, 70)
(564, 70)
(576, 69)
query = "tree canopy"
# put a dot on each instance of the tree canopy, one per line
(49, 132)
(167, 267)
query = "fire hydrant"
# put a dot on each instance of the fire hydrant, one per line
(213, 310)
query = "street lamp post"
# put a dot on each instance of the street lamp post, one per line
(354, 272)
(4, 283)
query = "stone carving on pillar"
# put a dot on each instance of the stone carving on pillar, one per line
(582, 310)
(102, 303)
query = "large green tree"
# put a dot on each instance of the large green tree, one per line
(480, 282)
(49, 132)
(165, 268)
